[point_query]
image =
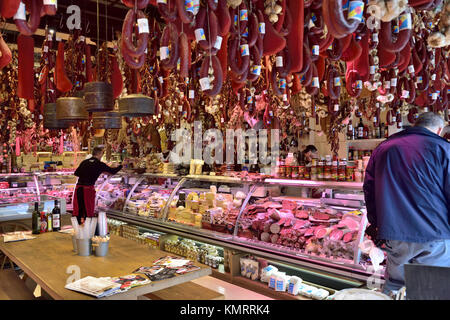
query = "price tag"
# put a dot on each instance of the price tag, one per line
(82, 38)
(50, 37)
(161, 79)
(315, 50)
(387, 84)
(336, 107)
(262, 28)
(433, 77)
(189, 5)
(50, 2)
(359, 84)
(282, 83)
(279, 61)
(205, 84)
(375, 119)
(434, 95)
(245, 50)
(419, 79)
(20, 14)
(405, 22)
(311, 24)
(196, 6)
(243, 15)
(164, 52)
(425, 109)
(356, 10)
(394, 119)
(191, 94)
(161, 1)
(405, 94)
(375, 37)
(45, 49)
(256, 70)
(285, 97)
(218, 43)
(245, 34)
(372, 69)
(411, 68)
(315, 82)
(337, 81)
(199, 34)
(143, 25)
(393, 82)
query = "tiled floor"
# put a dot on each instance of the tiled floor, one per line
(231, 291)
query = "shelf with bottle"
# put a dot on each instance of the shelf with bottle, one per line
(364, 132)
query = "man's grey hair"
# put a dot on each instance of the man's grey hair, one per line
(430, 120)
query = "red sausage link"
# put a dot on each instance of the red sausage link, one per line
(218, 77)
(30, 27)
(8, 8)
(386, 41)
(170, 35)
(184, 55)
(127, 34)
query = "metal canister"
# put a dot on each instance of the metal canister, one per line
(136, 105)
(71, 108)
(106, 120)
(98, 97)
(50, 121)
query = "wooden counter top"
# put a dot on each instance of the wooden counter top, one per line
(49, 261)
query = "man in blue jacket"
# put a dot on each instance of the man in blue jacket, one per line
(407, 193)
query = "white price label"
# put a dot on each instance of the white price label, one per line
(82, 38)
(161, 1)
(199, 34)
(411, 69)
(256, 70)
(336, 107)
(205, 84)
(21, 14)
(433, 77)
(164, 52)
(262, 28)
(191, 94)
(315, 50)
(218, 43)
(50, 37)
(245, 50)
(387, 84)
(50, 2)
(143, 25)
(315, 82)
(393, 82)
(285, 97)
(279, 61)
(434, 95)
(45, 49)
(394, 119)
(375, 37)
(161, 79)
(405, 94)
(372, 69)
(425, 109)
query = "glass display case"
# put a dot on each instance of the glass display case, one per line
(24, 187)
(22, 207)
(316, 224)
(58, 184)
(144, 195)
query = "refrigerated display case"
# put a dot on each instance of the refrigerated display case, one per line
(18, 188)
(275, 218)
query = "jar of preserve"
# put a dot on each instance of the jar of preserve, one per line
(307, 172)
(294, 173)
(342, 170)
(349, 173)
(288, 171)
(301, 172)
(334, 171)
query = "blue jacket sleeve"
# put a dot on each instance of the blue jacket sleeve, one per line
(369, 191)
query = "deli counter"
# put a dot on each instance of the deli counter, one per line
(19, 191)
(276, 219)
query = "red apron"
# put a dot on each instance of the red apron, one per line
(84, 202)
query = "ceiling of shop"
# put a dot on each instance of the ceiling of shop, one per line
(111, 15)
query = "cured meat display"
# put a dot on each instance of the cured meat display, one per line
(302, 228)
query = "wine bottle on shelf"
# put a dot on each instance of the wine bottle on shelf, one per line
(361, 129)
(49, 217)
(36, 219)
(350, 131)
(56, 217)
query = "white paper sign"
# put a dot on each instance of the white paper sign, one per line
(143, 25)
(205, 84)
(20, 14)
(164, 52)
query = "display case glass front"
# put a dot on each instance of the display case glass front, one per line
(58, 184)
(18, 188)
(207, 204)
(282, 216)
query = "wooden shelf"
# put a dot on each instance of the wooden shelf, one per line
(364, 144)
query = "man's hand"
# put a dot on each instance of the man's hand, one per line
(372, 232)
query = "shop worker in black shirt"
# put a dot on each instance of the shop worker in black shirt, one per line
(88, 172)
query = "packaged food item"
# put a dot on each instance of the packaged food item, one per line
(267, 272)
(294, 285)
